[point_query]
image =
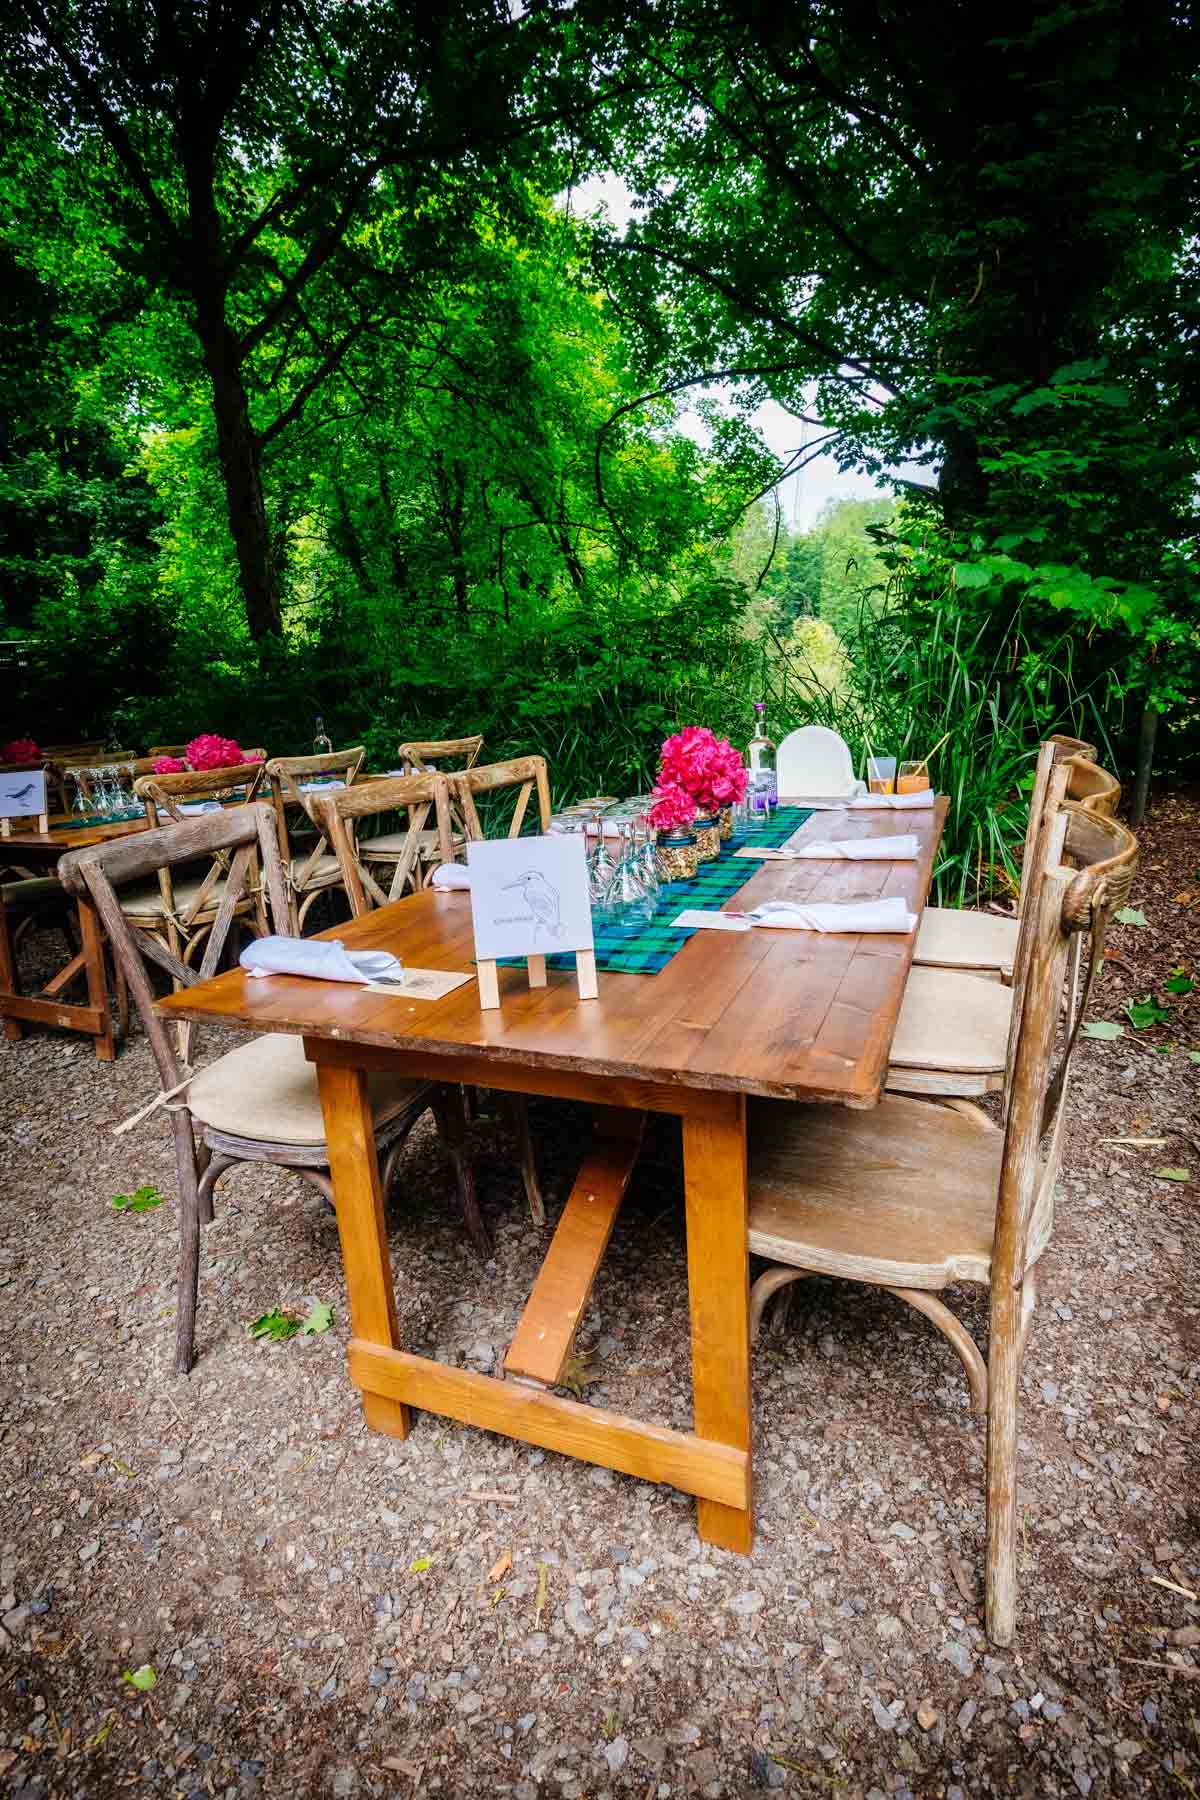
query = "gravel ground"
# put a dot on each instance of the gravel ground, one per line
(331, 1613)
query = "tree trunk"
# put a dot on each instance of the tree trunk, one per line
(1145, 764)
(241, 470)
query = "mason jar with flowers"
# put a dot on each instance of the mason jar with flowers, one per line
(710, 771)
(671, 816)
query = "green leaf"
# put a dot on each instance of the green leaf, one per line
(1130, 915)
(320, 1318)
(1178, 984)
(142, 1679)
(1144, 1013)
(1105, 1029)
(143, 1199)
(1194, 1056)
(276, 1325)
(1173, 1174)
(419, 1566)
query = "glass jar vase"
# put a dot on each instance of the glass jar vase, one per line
(676, 855)
(708, 836)
(725, 823)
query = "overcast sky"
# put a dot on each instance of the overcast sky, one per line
(802, 495)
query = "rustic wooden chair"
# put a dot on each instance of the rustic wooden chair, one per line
(423, 856)
(525, 775)
(913, 1197)
(179, 750)
(183, 908)
(417, 795)
(985, 943)
(313, 868)
(952, 1033)
(258, 1102)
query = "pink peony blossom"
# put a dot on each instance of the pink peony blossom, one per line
(169, 765)
(20, 750)
(673, 807)
(208, 751)
(703, 765)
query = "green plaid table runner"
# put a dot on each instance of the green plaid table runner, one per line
(78, 821)
(646, 949)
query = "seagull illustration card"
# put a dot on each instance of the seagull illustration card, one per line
(529, 896)
(23, 795)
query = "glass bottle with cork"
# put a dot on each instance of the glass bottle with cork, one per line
(763, 786)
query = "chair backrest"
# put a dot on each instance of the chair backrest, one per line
(74, 752)
(415, 795)
(163, 797)
(167, 750)
(1064, 904)
(290, 778)
(814, 760)
(1092, 787)
(417, 758)
(523, 775)
(101, 869)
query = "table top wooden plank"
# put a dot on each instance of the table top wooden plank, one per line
(785, 1014)
(50, 845)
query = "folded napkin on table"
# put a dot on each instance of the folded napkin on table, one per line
(450, 875)
(198, 806)
(893, 802)
(882, 849)
(320, 787)
(889, 914)
(323, 959)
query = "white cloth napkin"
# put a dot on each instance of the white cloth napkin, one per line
(198, 806)
(450, 875)
(893, 802)
(320, 787)
(322, 959)
(902, 848)
(889, 914)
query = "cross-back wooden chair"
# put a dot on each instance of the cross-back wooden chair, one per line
(422, 855)
(418, 795)
(526, 775)
(258, 1102)
(167, 750)
(311, 865)
(953, 1030)
(182, 908)
(913, 1197)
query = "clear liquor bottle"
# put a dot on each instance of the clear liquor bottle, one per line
(763, 788)
(322, 745)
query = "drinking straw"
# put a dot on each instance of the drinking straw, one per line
(930, 754)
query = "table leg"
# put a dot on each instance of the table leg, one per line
(97, 977)
(715, 1188)
(358, 1198)
(8, 973)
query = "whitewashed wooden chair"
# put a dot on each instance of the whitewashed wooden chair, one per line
(813, 763)
(953, 1030)
(182, 908)
(985, 943)
(259, 1101)
(524, 776)
(310, 863)
(422, 855)
(913, 1197)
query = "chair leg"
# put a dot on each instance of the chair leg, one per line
(766, 1287)
(964, 1345)
(1009, 1328)
(518, 1108)
(212, 1173)
(189, 1244)
(319, 1178)
(451, 1122)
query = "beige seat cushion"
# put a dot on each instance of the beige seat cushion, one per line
(390, 846)
(953, 939)
(267, 1089)
(325, 871)
(904, 1194)
(953, 1022)
(145, 901)
(38, 890)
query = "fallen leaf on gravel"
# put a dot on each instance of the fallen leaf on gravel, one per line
(277, 1326)
(1186, 897)
(143, 1199)
(1144, 1013)
(1103, 1028)
(142, 1679)
(542, 1595)
(927, 1715)
(400, 1765)
(320, 1318)
(501, 1566)
(1178, 984)
(419, 1566)
(1130, 915)
(962, 1579)
(1172, 1174)
(1194, 1056)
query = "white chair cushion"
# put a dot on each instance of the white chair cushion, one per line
(267, 1089)
(325, 871)
(953, 1022)
(392, 843)
(950, 939)
(23, 896)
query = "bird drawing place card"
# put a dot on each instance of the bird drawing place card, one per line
(529, 896)
(23, 796)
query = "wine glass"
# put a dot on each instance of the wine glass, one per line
(80, 804)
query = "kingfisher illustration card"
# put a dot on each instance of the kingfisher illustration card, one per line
(529, 896)
(23, 795)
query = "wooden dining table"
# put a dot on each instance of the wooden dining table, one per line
(788, 1015)
(39, 851)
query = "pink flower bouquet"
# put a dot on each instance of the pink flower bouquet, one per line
(20, 750)
(169, 765)
(673, 808)
(208, 751)
(703, 765)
